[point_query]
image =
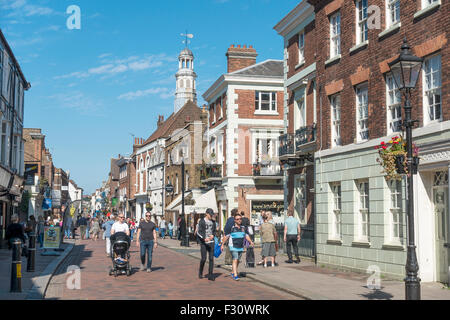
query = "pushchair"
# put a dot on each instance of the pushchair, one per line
(120, 254)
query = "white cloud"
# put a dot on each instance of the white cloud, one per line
(164, 93)
(24, 9)
(117, 66)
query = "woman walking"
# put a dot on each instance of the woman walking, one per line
(268, 237)
(95, 229)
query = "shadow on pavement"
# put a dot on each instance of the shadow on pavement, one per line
(377, 295)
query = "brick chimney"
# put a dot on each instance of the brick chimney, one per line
(240, 58)
(160, 121)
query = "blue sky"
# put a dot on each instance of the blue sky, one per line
(92, 89)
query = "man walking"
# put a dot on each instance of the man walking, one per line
(146, 240)
(107, 234)
(162, 227)
(227, 230)
(292, 236)
(237, 235)
(205, 233)
(82, 224)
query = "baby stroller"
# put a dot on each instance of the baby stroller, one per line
(120, 254)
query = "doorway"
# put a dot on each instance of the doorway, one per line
(442, 230)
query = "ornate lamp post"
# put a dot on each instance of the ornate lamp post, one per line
(406, 70)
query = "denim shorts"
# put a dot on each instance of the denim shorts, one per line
(237, 255)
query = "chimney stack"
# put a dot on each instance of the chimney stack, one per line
(239, 58)
(160, 121)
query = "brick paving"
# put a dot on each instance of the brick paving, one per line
(314, 282)
(29, 279)
(174, 277)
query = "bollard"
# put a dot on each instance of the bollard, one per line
(31, 259)
(16, 266)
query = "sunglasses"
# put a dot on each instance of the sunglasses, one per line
(148, 216)
(121, 217)
(238, 219)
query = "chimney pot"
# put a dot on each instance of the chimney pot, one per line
(239, 46)
(245, 46)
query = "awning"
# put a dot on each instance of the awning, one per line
(176, 202)
(202, 203)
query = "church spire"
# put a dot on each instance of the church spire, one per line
(186, 77)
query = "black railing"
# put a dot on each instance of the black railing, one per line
(266, 169)
(286, 144)
(209, 171)
(304, 136)
(305, 245)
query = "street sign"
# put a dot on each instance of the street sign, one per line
(169, 188)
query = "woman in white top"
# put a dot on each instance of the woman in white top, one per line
(120, 226)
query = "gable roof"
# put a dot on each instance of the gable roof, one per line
(175, 121)
(268, 68)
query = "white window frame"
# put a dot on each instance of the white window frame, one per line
(427, 3)
(392, 13)
(395, 211)
(363, 219)
(393, 105)
(4, 143)
(273, 102)
(362, 32)
(336, 212)
(335, 35)
(300, 113)
(433, 91)
(362, 112)
(301, 47)
(335, 102)
(221, 108)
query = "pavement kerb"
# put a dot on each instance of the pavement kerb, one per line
(301, 294)
(40, 287)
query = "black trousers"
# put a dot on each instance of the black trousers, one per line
(292, 240)
(206, 248)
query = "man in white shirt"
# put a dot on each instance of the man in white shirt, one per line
(120, 226)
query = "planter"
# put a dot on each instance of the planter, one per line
(400, 164)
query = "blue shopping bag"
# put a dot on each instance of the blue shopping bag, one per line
(217, 248)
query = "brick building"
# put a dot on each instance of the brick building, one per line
(127, 188)
(360, 215)
(185, 143)
(245, 120)
(39, 171)
(298, 143)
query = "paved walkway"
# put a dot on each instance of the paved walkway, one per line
(33, 283)
(308, 281)
(174, 277)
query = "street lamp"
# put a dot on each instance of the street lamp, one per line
(406, 69)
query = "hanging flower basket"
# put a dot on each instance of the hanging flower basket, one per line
(401, 164)
(393, 158)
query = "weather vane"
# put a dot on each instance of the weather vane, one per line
(187, 37)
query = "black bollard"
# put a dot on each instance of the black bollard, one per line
(16, 266)
(31, 259)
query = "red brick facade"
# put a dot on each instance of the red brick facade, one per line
(427, 35)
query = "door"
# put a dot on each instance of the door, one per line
(441, 210)
(300, 198)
